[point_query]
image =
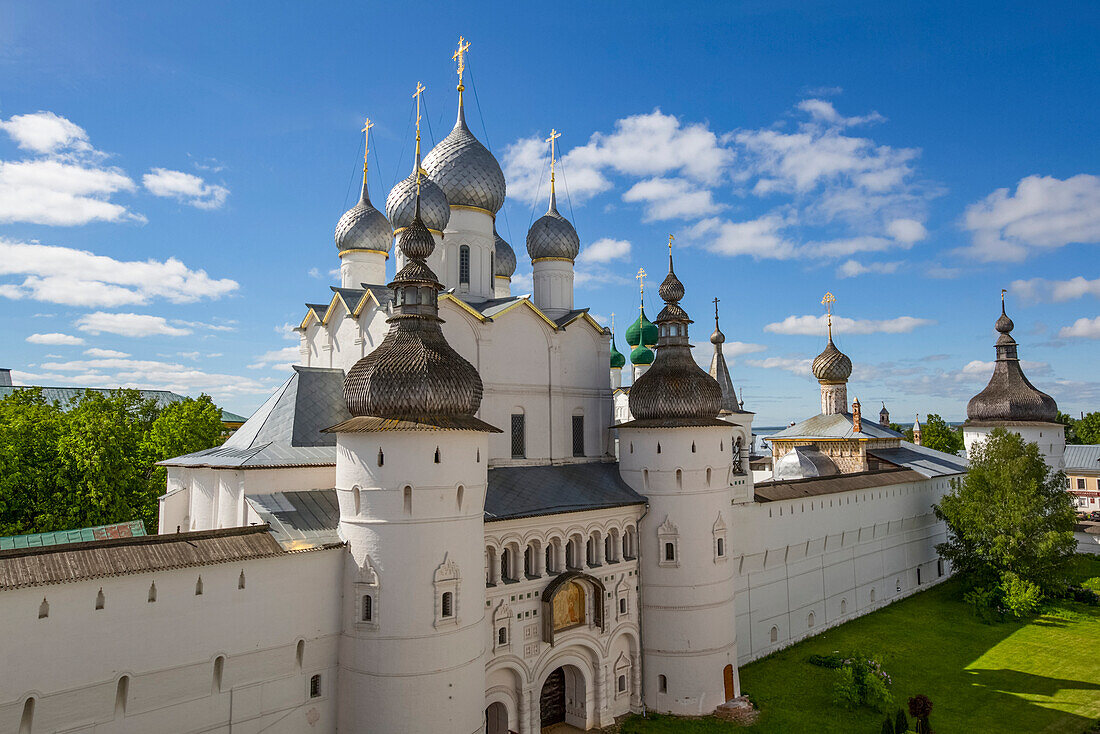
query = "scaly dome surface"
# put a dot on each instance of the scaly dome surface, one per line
(832, 365)
(435, 211)
(675, 388)
(465, 169)
(363, 227)
(414, 374)
(504, 257)
(552, 235)
(1010, 396)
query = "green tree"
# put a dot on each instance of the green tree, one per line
(1087, 429)
(29, 464)
(181, 428)
(1071, 426)
(1009, 520)
(937, 434)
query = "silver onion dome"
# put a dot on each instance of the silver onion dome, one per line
(552, 235)
(1010, 396)
(832, 365)
(363, 227)
(465, 169)
(504, 257)
(414, 374)
(435, 211)
(804, 462)
(675, 390)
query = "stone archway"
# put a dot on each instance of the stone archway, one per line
(564, 699)
(496, 718)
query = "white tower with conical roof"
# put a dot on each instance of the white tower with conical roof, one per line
(411, 480)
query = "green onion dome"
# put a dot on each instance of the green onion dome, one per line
(618, 361)
(641, 354)
(641, 332)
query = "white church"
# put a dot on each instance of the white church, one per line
(453, 517)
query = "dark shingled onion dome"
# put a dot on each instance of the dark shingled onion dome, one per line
(414, 374)
(675, 388)
(1009, 396)
(832, 365)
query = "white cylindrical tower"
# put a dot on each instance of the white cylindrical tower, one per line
(678, 454)
(410, 478)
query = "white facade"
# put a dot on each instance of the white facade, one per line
(1049, 437)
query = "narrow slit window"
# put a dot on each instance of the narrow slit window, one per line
(368, 608)
(519, 436)
(100, 600)
(464, 265)
(670, 552)
(240, 581)
(578, 435)
(448, 604)
(315, 686)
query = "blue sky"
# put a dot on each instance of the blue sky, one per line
(176, 171)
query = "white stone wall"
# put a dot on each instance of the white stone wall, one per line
(517, 669)
(835, 556)
(553, 283)
(1050, 438)
(71, 661)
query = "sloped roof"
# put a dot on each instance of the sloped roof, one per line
(23, 567)
(926, 461)
(80, 535)
(1083, 458)
(800, 488)
(530, 491)
(836, 425)
(302, 519)
(287, 429)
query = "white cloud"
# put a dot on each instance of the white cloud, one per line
(1056, 291)
(1044, 213)
(854, 268)
(604, 251)
(55, 339)
(737, 349)
(672, 198)
(823, 111)
(1082, 328)
(522, 283)
(80, 278)
(185, 187)
(795, 365)
(128, 324)
(651, 144)
(45, 132)
(56, 192)
(979, 368)
(817, 325)
(761, 237)
(906, 230)
(105, 353)
(280, 359)
(153, 374)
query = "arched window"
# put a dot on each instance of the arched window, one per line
(100, 600)
(872, 594)
(437, 456)
(774, 634)
(219, 666)
(609, 549)
(670, 552)
(662, 684)
(721, 547)
(502, 636)
(528, 562)
(810, 620)
(447, 610)
(843, 606)
(578, 435)
(458, 496)
(122, 692)
(355, 500)
(152, 592)
(198, 586)
(368, 608)
(315, 686)
(240, 581)
(939, 566)
(708, 476)
(590, 552)
(519, 436)
(464, 265)
(622, 605)
(550, 567)
(506, 564)
(621, 685)
(300, 653)
(27, 720)
(381, 457)
(570, 554)
(407, 495)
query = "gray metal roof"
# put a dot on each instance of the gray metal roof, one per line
(1083, 458)
(837, 425)
(569, 317)
(813, 487)
(529, 491)
(929, 462)
(303, 519)
(286, 430)
(804, 462)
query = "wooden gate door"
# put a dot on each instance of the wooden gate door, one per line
(552, 701)
(727, 678)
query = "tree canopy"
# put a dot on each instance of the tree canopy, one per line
(938, 434)
(92, 462)
(1009, 523)
(1083, 430)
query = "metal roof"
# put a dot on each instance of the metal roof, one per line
(800, 488)
(287, 429)
(1083, 458)
(835, 425)
(23, 567)
(530, 491)
(926, 461)
(303, 519)
(80, 535)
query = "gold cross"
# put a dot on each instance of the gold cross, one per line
(460, 56)
(367, 125)
(715, 309)
(420, 89)
(828, 302)
(554, 135)
(641, 283)
(612, 323)
(670, 239)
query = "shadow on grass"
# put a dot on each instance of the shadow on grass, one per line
(1015, 681)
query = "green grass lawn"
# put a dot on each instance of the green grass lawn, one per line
(1038, 676)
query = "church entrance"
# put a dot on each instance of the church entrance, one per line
(496, 719)
(727, 679)
(563, 699)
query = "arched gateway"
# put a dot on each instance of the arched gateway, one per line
(496, 719)
(563, 698)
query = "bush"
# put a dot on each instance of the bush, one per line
(1083, 595)
(1021, 597)
(833, 660)
(875, 693)
(860, 681)
(986, 603)
(901, 723)
(887, 726)
(920, 708)
(845, 690)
